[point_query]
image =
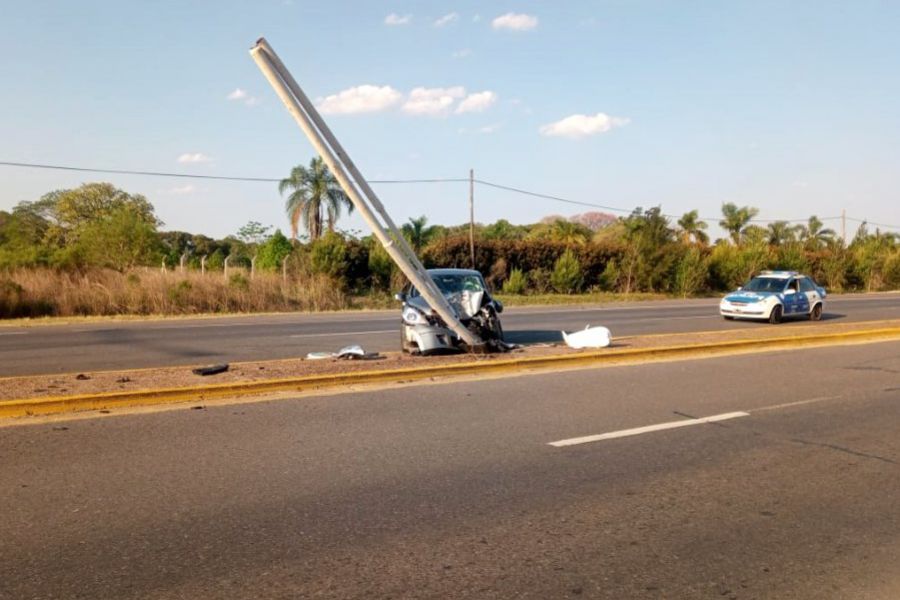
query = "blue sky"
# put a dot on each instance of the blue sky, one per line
(791, 107)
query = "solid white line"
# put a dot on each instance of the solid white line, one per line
(303, 335)
(797, 403)
(648, 429)
(13, 332)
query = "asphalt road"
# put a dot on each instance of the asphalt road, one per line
(453, 491)
(109, 345)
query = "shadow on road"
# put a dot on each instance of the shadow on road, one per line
(532, 336)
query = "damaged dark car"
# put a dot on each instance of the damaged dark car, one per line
(423, 332)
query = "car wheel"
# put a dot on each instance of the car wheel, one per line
(497, 327)
(776, 314)
(816, 313)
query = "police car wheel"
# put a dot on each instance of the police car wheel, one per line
(776, 314)
(816, 313)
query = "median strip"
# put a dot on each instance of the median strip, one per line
(459, 366)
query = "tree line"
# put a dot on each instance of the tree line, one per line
(99, 226)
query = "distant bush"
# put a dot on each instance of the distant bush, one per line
(517, 283)
(567, 276)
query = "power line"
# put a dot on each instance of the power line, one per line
(399, 181)
(624, 210)
(197, 176)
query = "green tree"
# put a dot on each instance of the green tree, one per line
(254, 233)
(313, 191)
(736, 220)
(781, 232)
(328, 255)
(273, 251)
(570, 233)
(691, 272)
(567, 276)
(381, 266)
(691, 227)
(120, 239)
(69, 210)
(814, 234)
(418, 233)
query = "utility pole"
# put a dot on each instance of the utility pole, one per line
(844, 227)
(356, 187)
(472, 215)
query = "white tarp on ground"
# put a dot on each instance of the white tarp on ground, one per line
(589, 337)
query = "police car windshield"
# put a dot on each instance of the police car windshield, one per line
(764, 284)
(455, 284)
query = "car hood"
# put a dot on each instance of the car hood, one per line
(466, 304)
(749, 297)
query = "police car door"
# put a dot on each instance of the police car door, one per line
(792, 297)
(809, 292)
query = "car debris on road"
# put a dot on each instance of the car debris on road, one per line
(589, 337)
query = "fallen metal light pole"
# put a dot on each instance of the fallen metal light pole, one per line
(356, 188)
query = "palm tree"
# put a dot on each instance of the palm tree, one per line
(417, 233)
(736, 220)
(314, 190)
(814, 235)
(692, 227)
(569, 232)
(781, 232)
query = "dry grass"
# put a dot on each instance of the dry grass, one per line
(40, 292)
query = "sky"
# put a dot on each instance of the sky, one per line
(791, 107)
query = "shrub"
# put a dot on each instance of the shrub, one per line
(567, 276)
(328, 255)
(516, 283)
(239, 282)
(691, 272)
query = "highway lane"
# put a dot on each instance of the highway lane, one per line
(452, 491)
(109, 345)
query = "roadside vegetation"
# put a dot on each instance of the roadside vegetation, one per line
(98, 250)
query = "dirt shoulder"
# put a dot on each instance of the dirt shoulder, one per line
(71, 384)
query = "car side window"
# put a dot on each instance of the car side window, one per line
(792, 285)
(806, 285)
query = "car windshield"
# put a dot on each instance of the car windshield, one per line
(450, 284)
(764, 284)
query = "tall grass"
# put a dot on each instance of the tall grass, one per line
(46, 292)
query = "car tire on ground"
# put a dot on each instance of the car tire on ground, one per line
(496, 327)
(776, 314)
(816, 313)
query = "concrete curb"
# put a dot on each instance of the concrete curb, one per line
(59, 404)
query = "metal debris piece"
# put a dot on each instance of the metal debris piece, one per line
(210, 370)
(351, 352)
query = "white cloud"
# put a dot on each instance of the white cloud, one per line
(395, 19)
(515, 22)
(193, 158)
(477, 102)
(239, 95)
(360, 99)
(432, 101)
(180, 191)
(579, 126)
(464, 53)
(446, 19)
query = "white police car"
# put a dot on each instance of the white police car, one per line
(773, 295)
